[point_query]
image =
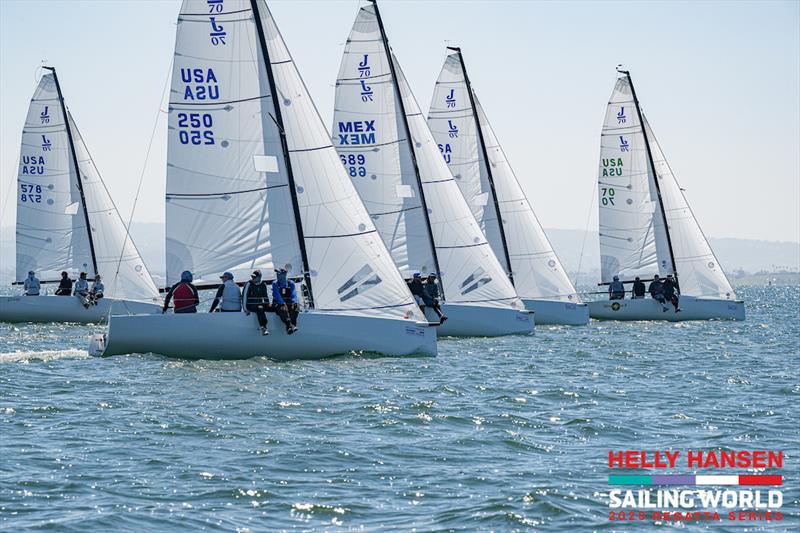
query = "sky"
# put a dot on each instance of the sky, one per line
(719, 82)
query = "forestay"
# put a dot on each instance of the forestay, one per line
(52, 234)
(466, 139)
(231, 205)
(376, 148)
(633, 240)
(700, 274)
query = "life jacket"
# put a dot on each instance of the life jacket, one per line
(231, 297)
(81, 286)
(32, 286)
(416, 288)
(183, 296)
(256, 294)
(286, 292)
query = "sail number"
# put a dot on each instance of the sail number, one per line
(30, 193)
(354, 163)
(194, 128)
(607, 195)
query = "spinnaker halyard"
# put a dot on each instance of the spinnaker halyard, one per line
(392, 159)
(647, 227)
(472, 151)
(67, 222)
(253, 182)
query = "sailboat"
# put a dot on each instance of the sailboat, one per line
(472, 151)
(393, 161)
(67, 222)
(647, 227)
(253, 182)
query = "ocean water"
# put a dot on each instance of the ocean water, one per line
(493, 434)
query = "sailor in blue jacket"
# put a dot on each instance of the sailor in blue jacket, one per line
(285, 301)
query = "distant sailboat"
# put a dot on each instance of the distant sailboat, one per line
(647, 227)
(66, 221)
(253, 181)
(391, 157)
(482, 172)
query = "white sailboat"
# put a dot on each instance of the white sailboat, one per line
(647, 227)
(253, 181)
(67, 222)
(472, 151)
(391, 157)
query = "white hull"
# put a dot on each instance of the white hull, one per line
(480, 321)
(550, 312)
(236, 336)
(649, 309)
(67, 309)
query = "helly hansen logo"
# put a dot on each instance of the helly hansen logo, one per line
(361, 282)
(475, 280)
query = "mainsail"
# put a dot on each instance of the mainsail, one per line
(60, 194)
(471, 149)
(646, 225)
(391, 157)
(253, 180)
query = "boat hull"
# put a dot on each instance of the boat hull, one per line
(66, 309)
(557, 312)
(482, 321)
(237, 336)
(649, 309)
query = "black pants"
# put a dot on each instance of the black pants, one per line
(191, 309)
(673, 298)
(288, 314)
(261, 314)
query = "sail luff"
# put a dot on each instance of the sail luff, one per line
(489, 174)
(71, 143)
(660, 200)
(412, 150)
(285, 151)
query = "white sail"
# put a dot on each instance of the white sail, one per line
(383, 170)
(537, 272)
(51, 216)
(230, 203)
(633, 241)
(699, 271)
(124, 272)
(51, 224)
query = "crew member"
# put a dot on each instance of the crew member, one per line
(417, 290)
(82, 290)
(183, 295)
(284, 300)
(64, 286)
(639, 289)
(96, 293)
(671, 292)
(656, 290)
(31, 284)
(229, 294)
(616, 290)
(431, 296)
(256, 299)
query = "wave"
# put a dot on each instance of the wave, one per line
(46, 355)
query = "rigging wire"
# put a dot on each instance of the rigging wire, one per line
(141, 176)
(585, 235)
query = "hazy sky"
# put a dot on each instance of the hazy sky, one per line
(719, 81)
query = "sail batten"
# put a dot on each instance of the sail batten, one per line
(472, 151)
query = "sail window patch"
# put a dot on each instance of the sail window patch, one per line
(71, 209)
(265, 163)
(404, 191)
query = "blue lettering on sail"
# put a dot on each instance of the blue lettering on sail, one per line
(453, 129)
(30, 193)
(32, 165)
(366, 92)
(45, 116)
(621, 118)
(217, 33)
(46, 144)
(363, 67)
(215, 5)
(623, 144)
(447, 152)
(201, 84)
(195, 128)
(357, 132)
(450, 99)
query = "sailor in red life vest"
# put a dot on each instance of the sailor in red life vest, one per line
(183, 294)
(228, 294)
(284, 298)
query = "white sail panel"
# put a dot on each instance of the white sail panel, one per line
(351, 269)
(228, 199)
(125, 274)
(632, 237)
(537, 272)
(51, 224)
(370, 135)
(471, 272)
(699, 271)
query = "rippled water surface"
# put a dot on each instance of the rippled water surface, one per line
(503, 434)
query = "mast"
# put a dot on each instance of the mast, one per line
(410, 146)
(486, 159)
(653, 170)
(77, 168)
(285, 149)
